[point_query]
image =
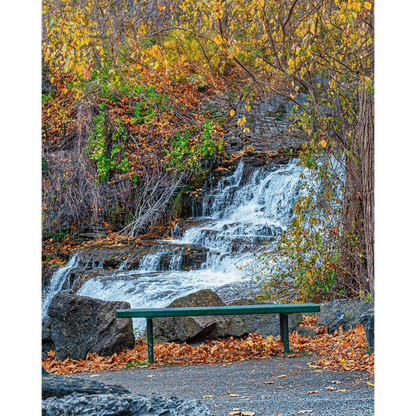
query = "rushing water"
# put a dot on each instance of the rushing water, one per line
(239, 221)
(57, 282)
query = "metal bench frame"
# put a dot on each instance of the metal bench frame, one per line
(283, 309)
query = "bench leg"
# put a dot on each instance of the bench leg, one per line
(284, 331)
(149, 340)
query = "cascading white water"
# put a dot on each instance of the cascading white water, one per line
(236, 224)
(57, 282)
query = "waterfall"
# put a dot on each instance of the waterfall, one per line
(57, 282)
(245, 213)
(243, 216)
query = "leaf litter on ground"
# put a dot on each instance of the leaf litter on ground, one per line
(340, 352)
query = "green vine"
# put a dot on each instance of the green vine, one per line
(184, 155)
(97, 147)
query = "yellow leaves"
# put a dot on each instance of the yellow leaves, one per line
(207, 396)
(156, 65)
(241, 121)
(323, 143)
(232, 113)
(367, 5)
(247, 107)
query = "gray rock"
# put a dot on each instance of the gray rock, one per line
(197, 328)
(60, 386)
(305, 331)
(264, 324)
(122, 405)
(81, 324)
(346, 313)
(65, 396)
(367, 319)
(47, 341)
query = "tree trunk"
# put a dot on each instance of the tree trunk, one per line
(354, 278)
(365, 135)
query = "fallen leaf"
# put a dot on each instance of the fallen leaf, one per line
(151, 375)
(234, 395)
(370, 384)
(339, 391)
(204, 397)
(312, 391)
(96, 375)
(269, 382)
(248, 413)
(331, 388)
(282, 376)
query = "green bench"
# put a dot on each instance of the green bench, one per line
(283, 310)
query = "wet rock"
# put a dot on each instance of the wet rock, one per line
(197, 328)
(122, 405)
(264, 324)
(81, 324)
(343, 312)
(177, 230)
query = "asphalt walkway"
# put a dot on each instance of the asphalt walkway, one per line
(273, 386)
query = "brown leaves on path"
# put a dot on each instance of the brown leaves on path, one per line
(339, 352)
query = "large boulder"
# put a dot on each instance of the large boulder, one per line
(367, 319)
(264, 324)
(343, 312)
(47, 341)
(80, 324)
(197, 328)
(121, 405)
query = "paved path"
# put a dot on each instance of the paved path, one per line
(349, 393)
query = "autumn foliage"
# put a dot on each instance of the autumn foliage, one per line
(126, 125)
(338, 352)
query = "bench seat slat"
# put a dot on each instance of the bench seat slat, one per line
(218, 310)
